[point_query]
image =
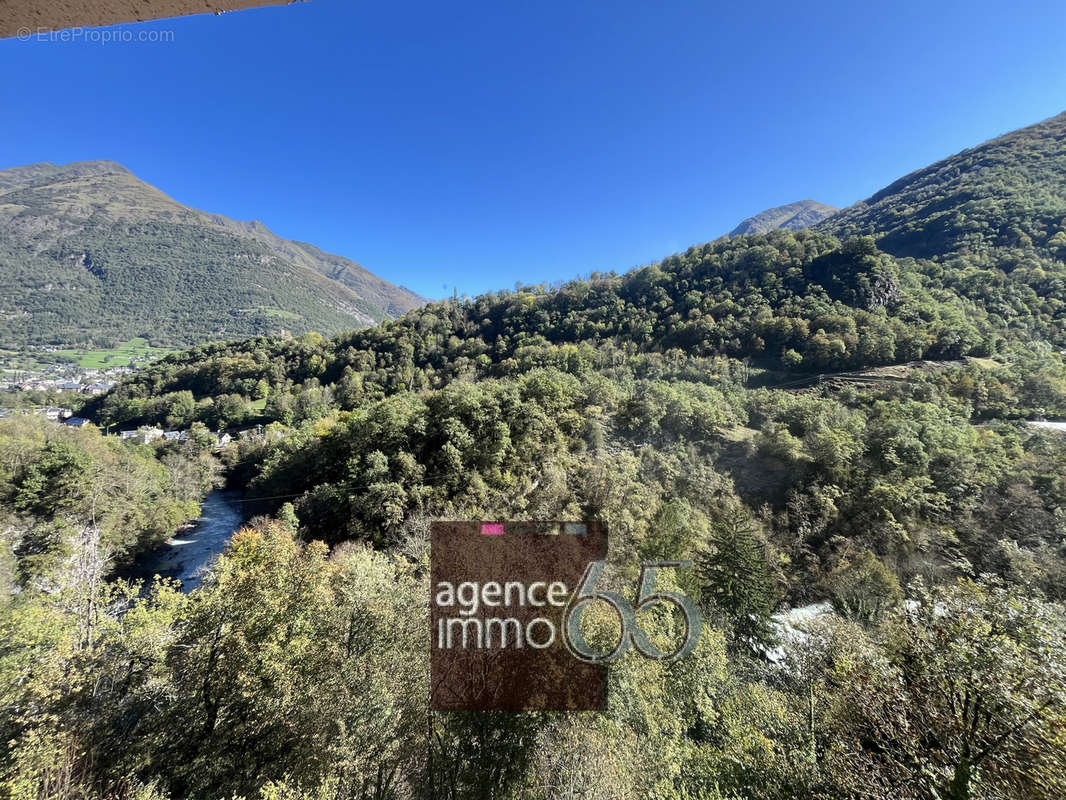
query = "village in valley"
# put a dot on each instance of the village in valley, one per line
(48, 369)
(62, 378)
(57, 390)
(142, 435)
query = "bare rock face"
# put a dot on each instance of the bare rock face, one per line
(857, 274)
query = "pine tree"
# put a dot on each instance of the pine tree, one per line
(735, 577)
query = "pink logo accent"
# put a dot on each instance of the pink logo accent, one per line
(492, 529)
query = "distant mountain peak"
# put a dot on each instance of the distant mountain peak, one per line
(793, 217)
(47, 171)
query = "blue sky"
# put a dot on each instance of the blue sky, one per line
(474, 145)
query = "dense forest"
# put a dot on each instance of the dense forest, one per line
(784, 304)
(996, 206)
(835, 416)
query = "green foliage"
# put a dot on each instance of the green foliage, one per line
(864, 588)
(92, 257)
(969, 698)
(736, 578)
(76, 503)
(749, 405)
(991, 220)
(52, 484)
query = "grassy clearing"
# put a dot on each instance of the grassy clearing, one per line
(738, 433)
(121, 356)
(134, 350)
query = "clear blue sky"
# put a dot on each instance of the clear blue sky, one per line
(476, 144)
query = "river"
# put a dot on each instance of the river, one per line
(1057, 425)
(189, 554)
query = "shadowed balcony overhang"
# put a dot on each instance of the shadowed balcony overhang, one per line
(22, 17)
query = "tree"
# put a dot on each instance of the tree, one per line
(970, 699)
(54, 482)
(292, 663)
(863, 588)
(735, 576)
(181, 409)
(791, 358)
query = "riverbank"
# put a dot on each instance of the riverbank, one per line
(188, 555)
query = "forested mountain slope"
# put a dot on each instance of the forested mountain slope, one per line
(1000, 205)
(680, 404)
(793, 302)
(800, 301)
(672, 354)
(91, 255)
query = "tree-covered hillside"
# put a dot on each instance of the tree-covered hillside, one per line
(793, 303)
(76, 504)
(998, 206)
(90, 255)
(804, 416)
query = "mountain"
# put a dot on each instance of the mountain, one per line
(792, 217)
(995, 202)
(90, 254)
(802, 421)
(962, 259)
(866, 400)
(966, 258)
